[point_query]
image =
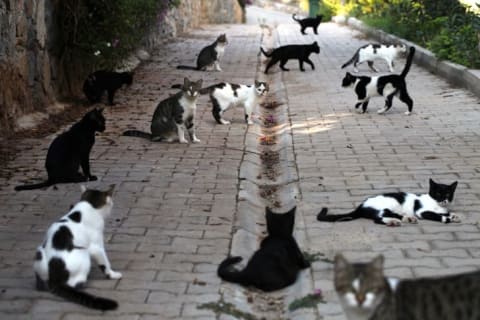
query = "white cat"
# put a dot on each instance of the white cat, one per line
(225, 95)
(62, 262)
(370, 52)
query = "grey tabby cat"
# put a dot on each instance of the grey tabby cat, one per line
(209, 56)
(173, 116)
(365, 293)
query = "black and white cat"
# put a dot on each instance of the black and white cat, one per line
(301, 52)
(225, 95)
(371, 52)
(173, 116)
(366, 294)
(393, 208)
(209, 57)
(70, 150)
(278, 261)
(309, 23)
(63, 261)
(387, 86)
(100, 81)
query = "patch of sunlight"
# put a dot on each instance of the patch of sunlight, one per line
(315, 125)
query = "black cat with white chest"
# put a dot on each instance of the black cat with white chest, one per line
(387, 86)
(394, 208)
(278, 261)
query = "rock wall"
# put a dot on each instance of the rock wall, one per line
(32, 77)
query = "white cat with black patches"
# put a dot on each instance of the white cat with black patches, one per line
(225, 95)
(387, 86)
(392, 209)
(371, 52)
(63, 261)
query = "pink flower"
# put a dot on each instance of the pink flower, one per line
(317, 292)
(115, 43)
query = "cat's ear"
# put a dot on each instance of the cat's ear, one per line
(432, 183)
(315, 43)
(186, 82)
(340, 263)
(257, 83)
(377, 262)
(83, 188)
(453, 186)
(99, 110)
(199, 83)
(110, 190)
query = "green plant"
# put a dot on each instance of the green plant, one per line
(309, 301)
(101, 32)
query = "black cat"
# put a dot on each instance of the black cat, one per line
(276, 264)
(70, 150)
(309, 22)
(294, 51)
(100, 81)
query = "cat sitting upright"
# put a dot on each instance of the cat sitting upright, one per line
(387, 86)
(309, 23)
(173, 116)
(63, 261)
(301, 52)
(100, 81)
(224, 95)
(209, 57)
(366, 294)
(371, 52)
(278, 261)
(393, 208)
(70, 150)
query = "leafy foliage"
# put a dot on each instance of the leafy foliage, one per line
(446, 27)
(104, 32)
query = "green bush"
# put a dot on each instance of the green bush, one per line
(446, 27)
(102, 33)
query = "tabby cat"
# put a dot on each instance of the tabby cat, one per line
(366, 294)
(387, 86)
(393, 208)
(309, 23)
(210, 56)
(278, 261)
(63, 261)
(100, 81)
(173, 116)
(301, 52)
(70, 150)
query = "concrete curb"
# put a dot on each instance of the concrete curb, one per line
(456, 74)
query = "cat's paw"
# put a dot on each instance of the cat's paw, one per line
(409, 219)
(392, 222)
(407, 113)
(196, 140)
(382, 110)
(92, 178)
(224, 121)
(114, 275)
(249, 122)
(183, 140)
(454, 218)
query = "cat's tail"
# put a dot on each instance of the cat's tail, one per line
(137, 133)
(408, 63)
(323, 216)
(226, 272)
(83, 298)
(265, 53)
(352, 60)
(182, 67)
(44, 184)
(294, 18)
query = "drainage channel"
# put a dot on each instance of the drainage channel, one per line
(268, 177)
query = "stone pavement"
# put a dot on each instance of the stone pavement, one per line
(343, 157)
(180, 209)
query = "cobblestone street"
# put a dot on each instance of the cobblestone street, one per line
(180, 209)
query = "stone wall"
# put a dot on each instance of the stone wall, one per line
(32, 77)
